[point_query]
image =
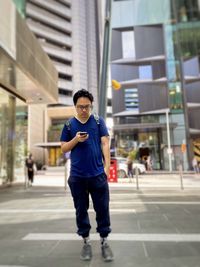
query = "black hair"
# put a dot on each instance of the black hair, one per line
(82, 93)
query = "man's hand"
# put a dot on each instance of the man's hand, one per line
(107, 170)
(81, 138)
(68, 146)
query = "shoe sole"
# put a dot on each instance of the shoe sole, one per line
(86, 259)
(108, 259)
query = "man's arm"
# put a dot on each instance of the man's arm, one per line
(68, 146)
(105, 141)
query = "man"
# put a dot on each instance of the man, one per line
(86, 136)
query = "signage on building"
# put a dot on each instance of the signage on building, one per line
(183, 148)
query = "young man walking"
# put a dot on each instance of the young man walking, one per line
(86, 136)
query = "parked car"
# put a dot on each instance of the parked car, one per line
(122, 167)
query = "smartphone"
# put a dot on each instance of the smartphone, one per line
(83, 133)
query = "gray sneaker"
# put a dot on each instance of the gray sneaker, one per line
(86, 252)
(107, 252)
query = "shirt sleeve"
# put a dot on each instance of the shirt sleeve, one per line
(103, 128)
(65, 134)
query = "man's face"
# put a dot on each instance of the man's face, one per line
(83, 107)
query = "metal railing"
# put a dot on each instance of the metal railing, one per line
(177, 179)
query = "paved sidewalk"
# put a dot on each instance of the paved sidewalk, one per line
(56, 177)
(155, 226)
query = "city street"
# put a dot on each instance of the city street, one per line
(153, 226)
(80, 80)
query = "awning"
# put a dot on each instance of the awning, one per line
(48, 144)
(142, 126)
(194, 131)
(126, 113)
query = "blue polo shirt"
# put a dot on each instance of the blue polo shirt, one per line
(86, 157)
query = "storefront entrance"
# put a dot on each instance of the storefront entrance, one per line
(146, 143)
(55, 157)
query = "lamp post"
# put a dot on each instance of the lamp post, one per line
(169, 149)
(104, 65)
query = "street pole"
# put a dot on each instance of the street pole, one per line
(105, 60)
(169, 150)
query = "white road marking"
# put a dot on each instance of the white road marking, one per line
(112, 210)
(122, 210)
(158, 185)
(156, 202)
(54, 194)
(36, 210)
(9, 211)
(162, 237)
(168, 194)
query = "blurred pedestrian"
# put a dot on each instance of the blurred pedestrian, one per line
(30, 168)
(149, 163)
(86, 136)
(130, 167)
(195, 165)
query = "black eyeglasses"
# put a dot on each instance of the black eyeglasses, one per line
(86, 107)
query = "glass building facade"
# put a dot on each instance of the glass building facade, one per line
(160, 59)
(13, 137)
(27, 77)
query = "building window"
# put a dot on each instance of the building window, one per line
(128, 44)
(175, 97)
(145, 72)
(65, 92)
(131, 99)
(186, 10)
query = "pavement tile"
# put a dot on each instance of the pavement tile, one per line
(145, 217)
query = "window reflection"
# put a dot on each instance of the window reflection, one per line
(185, 10)
(13, 137)
(21, 129)
(189, 39)
(175, 97)
(183, 17)
(7, 136)
(145, 72)
(3, 135)
(128, 44)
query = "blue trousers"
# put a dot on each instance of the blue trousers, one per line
(97, 188)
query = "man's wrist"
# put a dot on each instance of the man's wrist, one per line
(107, 167)
(107, 164)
